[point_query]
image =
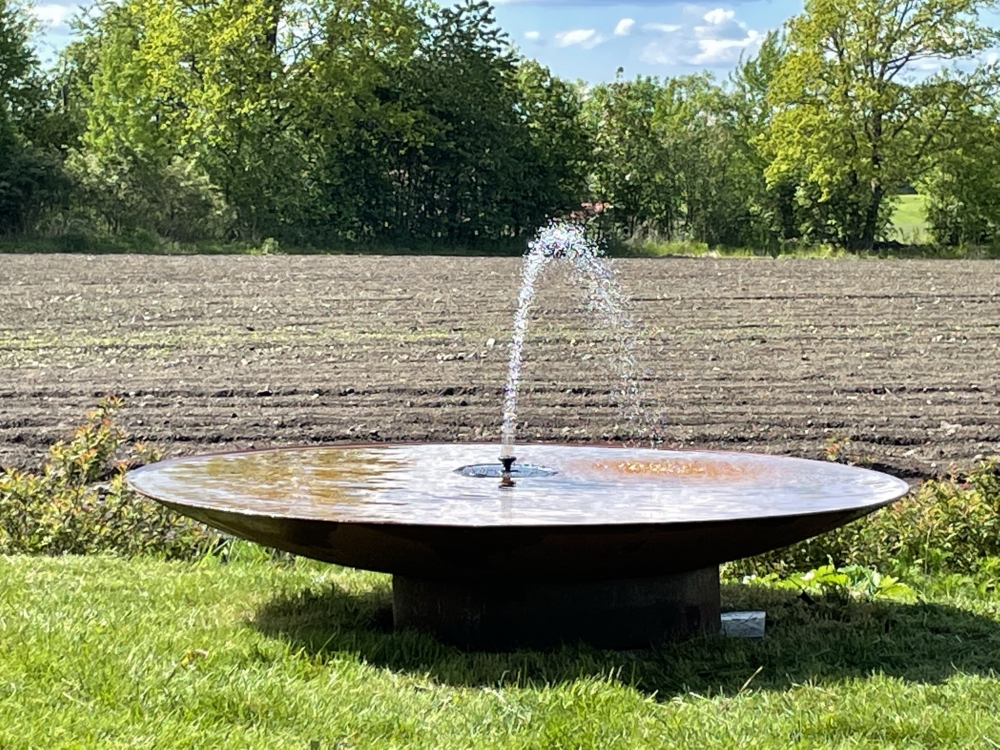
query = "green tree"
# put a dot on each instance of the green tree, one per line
(31, 178)
(715, 175)
(459, 177)
(963, 187)
(773, 214)
(551, 176)
(21, 89)
(354, 119)
(633, 167)
(849, 119)
(678, 159)
(449, 136)
(207, 85)
(354, 116)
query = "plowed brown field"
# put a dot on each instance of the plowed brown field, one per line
(232, 351)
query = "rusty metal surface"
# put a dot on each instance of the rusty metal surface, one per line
(609, 512)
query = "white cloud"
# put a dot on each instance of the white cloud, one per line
(624, 27)
(664, 28)
(724, 51)
(657, 53)
(586, 38)
(718, 16)
(710, 38)
(53, 14)
(723, 39)
(728, 28)
(532, 36)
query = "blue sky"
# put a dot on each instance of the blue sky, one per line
(591, 39)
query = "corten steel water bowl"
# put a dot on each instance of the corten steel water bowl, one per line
(619, 547)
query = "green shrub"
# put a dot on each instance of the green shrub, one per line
(947, 525)
(80, 504)
(132, 195)
(852, 582)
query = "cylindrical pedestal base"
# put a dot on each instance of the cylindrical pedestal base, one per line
(622, 614)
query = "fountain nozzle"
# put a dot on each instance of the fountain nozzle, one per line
(508, 467)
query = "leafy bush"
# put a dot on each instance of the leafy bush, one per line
(126, 194)
(31, 182)
(851, 582)
(80, 504)
(948, 525)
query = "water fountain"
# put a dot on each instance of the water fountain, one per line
(616, 546)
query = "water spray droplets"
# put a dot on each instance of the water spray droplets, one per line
(560, 241)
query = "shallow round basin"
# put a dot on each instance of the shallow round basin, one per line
(596, 513)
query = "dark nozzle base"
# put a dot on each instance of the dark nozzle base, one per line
(508, 467)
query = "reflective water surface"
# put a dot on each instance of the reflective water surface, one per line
(495, 470)
(417, 484)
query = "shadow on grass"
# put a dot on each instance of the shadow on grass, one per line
(820, 642)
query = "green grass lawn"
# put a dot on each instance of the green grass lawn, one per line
(909, 220)
(103, 652)
(909, 226)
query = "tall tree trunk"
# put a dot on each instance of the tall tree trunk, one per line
(877, 191)
(871, 216)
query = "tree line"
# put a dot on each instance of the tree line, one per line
(400, 121)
